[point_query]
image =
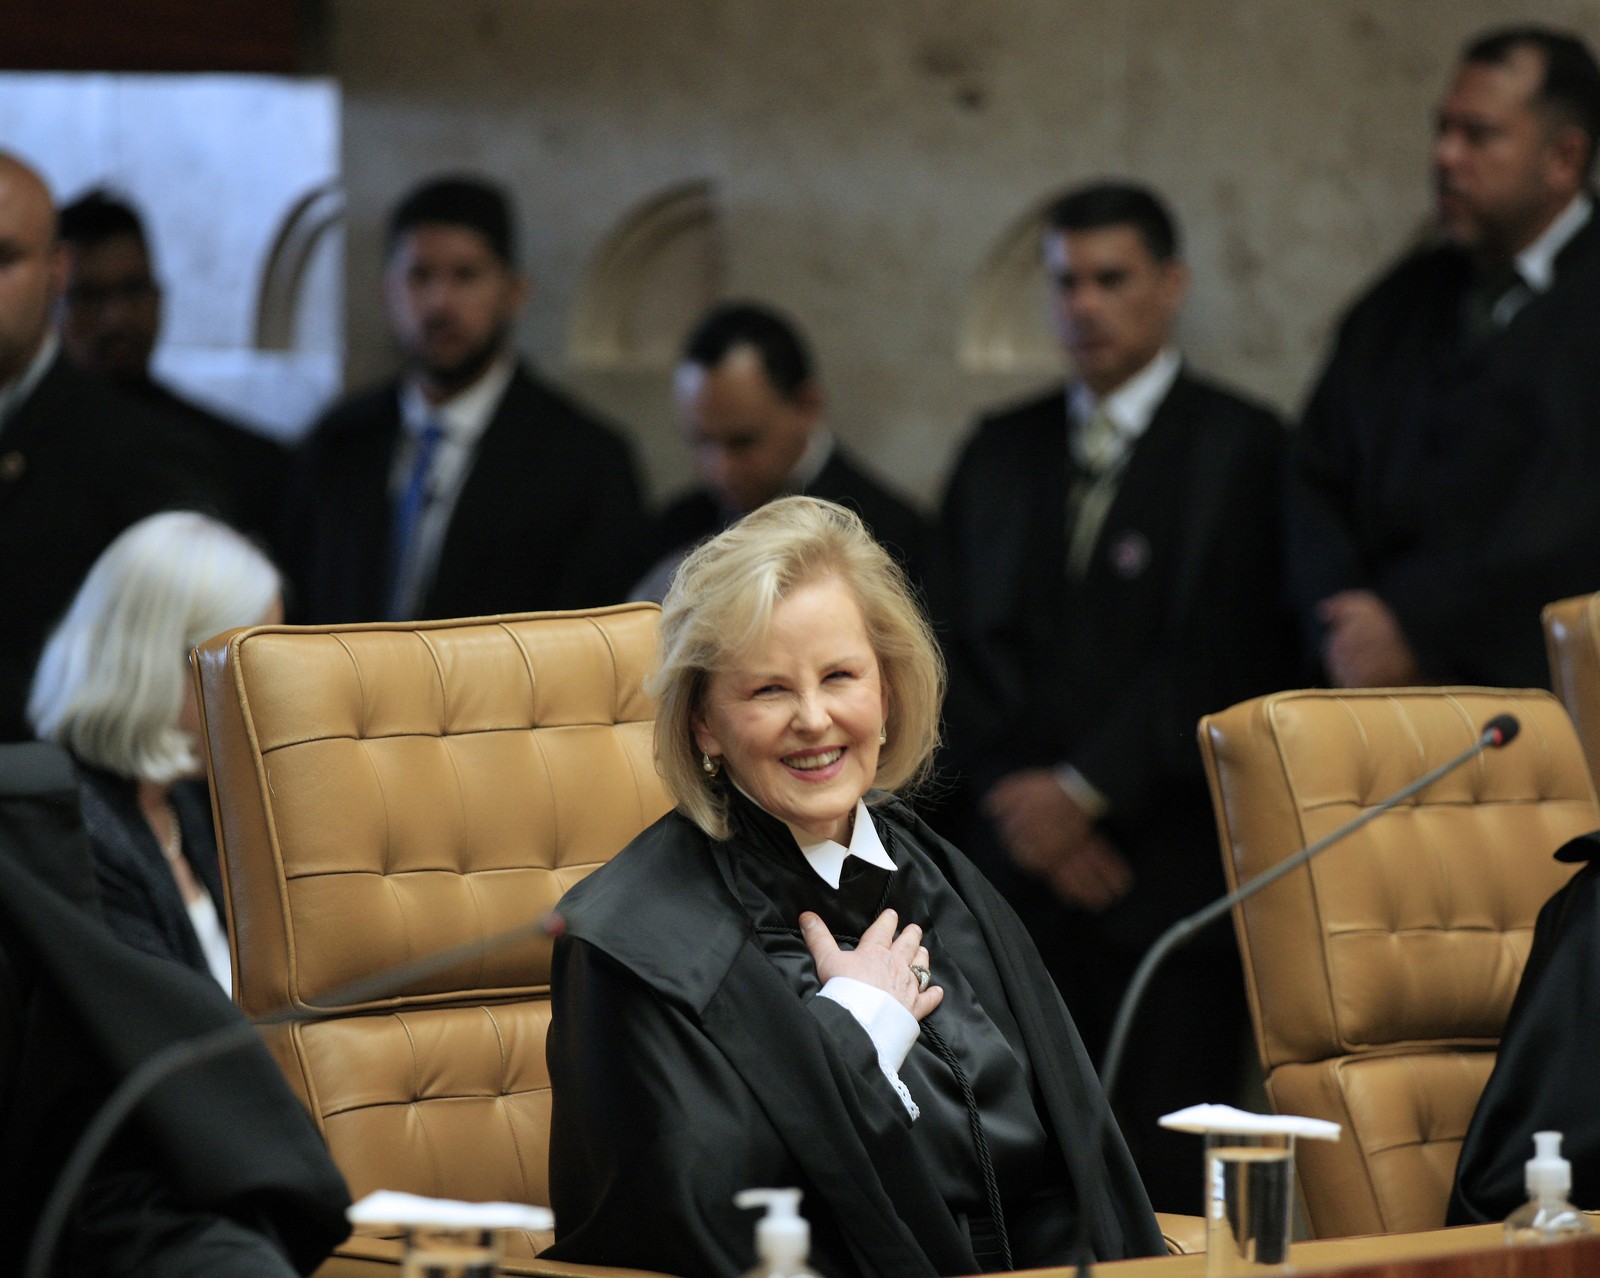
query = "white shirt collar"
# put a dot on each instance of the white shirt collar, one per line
(1134, 403)
(827, 857)
(22, 385)
(464, 415)
(819, 448)
(1536, 264)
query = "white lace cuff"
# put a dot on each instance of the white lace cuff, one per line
(889, 1025)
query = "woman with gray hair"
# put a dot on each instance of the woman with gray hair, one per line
(790, 979)
(113, 688)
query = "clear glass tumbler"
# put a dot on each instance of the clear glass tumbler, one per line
(434, 1251)
(1249, 1196)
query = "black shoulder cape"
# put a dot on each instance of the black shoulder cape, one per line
(1544, 1074)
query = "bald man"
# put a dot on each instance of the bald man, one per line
(78, 463)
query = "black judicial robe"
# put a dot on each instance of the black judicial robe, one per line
(684, 1067)
(1544, 1074)
(219, 1165)
(1456, 480)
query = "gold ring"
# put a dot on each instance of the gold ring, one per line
(923, 977)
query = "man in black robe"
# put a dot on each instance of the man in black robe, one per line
(1442, 485)
(1110, 573)
(752, 411)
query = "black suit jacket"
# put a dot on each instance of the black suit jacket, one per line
(684, 1067)
(244, 472)
(549, 515)
(79, 462)
(1179, 614)
(1457, 481)
(697, 514)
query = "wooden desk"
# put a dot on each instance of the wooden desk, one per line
(1472, 1251)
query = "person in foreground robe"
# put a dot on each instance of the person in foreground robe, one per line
(1543, 1077)
(220, 1170)
(791, 980)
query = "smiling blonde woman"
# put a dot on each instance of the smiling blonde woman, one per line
(791, 979)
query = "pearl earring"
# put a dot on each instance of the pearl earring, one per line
(708, 765)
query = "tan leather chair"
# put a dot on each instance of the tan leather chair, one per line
(388, 791)
(1380, 974)
(1572, 639)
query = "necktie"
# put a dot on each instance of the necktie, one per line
(1097, 445)
(1492, 302)
(1100, 450)
(407, 520)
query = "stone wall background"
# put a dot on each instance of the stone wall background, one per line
(865, 158)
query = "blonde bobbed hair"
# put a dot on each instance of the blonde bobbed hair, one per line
(720, 604)
(110, 683)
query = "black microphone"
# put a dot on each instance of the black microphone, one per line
(176, 1057)
(1503, 728)
(1497, 732)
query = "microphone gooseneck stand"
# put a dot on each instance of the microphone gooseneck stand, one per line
(1498, 732)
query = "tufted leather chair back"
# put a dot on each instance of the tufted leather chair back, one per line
(1572, 639)
(384, 792)
(1380, 974)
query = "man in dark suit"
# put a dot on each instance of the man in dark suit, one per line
(110, 318)
(1110, 573)
(1443, 482)
(468, 487)
(752, 411)
(78, 462)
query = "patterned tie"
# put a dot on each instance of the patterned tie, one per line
(1492, 303)
(1100, 450)
(407, 517)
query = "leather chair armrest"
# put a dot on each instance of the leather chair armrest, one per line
(1184, 1235)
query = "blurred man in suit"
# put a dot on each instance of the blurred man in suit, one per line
(1110, 572)
(1443, 479)
(752, 412)
(78, 462)
(468, 486)
(110, 320)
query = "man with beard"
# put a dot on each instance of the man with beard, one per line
(1443, 480)
(469, 487)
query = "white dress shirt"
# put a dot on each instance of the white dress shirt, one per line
(1536, 264)
(13, 395)
(890, 1025)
